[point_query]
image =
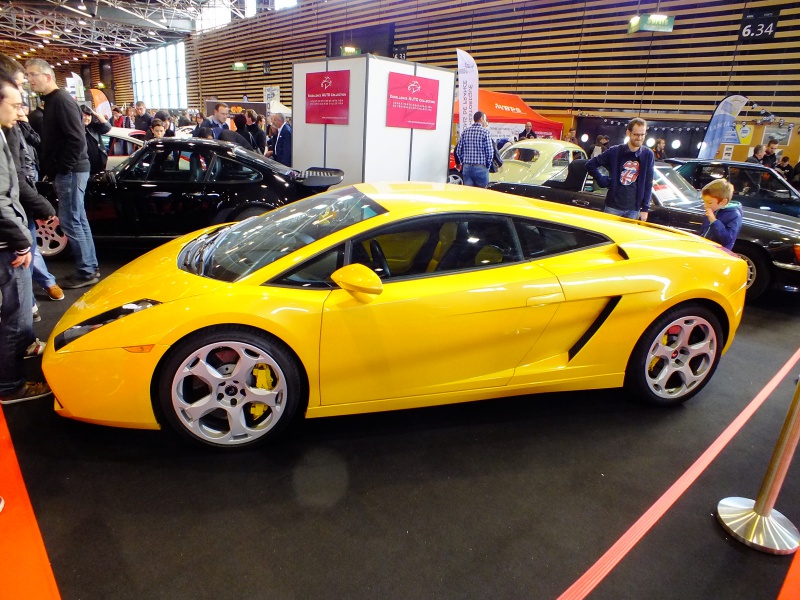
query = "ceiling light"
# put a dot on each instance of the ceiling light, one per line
(42, 31)
(75, 59)
(81, 6)
(94, 51)
(58, 64)
(19, 55)
(103, 48)
(85, 55)
(56, 36)
(46, 41)
(117, 45)
(67, 30)
(134, 39)
(82, 22)
(25, 53)
(150, 32)
(40, 45)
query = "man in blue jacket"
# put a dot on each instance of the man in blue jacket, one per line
(630, 179)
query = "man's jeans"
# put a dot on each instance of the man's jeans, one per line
(628, 214)
(16, 321)
(475, 175)
(39, 271)
(70, 189)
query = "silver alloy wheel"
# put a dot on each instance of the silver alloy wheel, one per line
(455, 178)
(752, 271)
(681, 357)
(50, 238)
(229, 393)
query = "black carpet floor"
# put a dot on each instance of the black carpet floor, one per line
(513, 498)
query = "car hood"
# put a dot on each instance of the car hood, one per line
(152, 276)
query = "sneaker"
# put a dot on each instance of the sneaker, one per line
(30, 390)
(55, 292)
(35, 349)
(36, 316)
(78, 281)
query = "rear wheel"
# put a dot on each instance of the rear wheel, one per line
(676, 356)
(229, 387)
(758, 269)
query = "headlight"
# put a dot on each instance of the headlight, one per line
(81, 329)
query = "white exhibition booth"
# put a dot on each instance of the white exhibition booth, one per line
(376, 118)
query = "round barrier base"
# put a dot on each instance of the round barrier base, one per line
(774, 534)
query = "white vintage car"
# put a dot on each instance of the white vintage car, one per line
(535, 161)
(121, 143)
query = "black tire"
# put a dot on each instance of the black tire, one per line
(759, 275)
(676, 356)
(230, 387)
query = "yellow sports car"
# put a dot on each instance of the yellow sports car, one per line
(382, 297)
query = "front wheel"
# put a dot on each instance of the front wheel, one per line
(454, 177)
(676, 356)
(229, 387)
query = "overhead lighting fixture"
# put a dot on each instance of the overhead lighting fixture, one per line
(67, 30)
(40, 45)
(82, 22)
(46, 41)
(85, 55)
(118, 45)
(58, 64)
(75, 59)
(42, 31)
(103, 48)
(19, 55)
(56, 36)
(150, 32)
(134, 38)
(651, 22)
(94, 51)
(81, 6)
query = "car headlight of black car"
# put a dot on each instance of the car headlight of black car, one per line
(96, 322)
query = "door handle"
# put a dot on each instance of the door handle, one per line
(581, 202)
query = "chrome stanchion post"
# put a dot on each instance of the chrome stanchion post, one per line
(756, 523)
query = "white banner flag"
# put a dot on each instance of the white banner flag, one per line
(467, 88)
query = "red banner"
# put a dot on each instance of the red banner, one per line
(328, 97)
(412, 101)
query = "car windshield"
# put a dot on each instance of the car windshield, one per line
(237, 251)
(672, 189)
(528, 155)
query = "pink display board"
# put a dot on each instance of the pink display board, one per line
(328, 97)
(411, 101)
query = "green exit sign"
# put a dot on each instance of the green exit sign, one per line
(651, 22)
(239, 66)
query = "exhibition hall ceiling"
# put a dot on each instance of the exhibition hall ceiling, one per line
(66, 30)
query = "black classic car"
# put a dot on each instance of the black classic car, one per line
(173, 186)
(754, 185)
(768, 242)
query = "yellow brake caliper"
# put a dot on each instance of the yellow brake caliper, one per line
(265, 380)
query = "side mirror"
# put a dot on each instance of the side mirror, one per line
(360, 281)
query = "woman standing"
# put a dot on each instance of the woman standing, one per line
(96, 125)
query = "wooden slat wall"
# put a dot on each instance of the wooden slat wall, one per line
(559, 55)
(123, 80)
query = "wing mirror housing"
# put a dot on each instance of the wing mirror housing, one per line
(360, 281)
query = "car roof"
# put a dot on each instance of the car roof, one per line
(543, 144)
(720, 161)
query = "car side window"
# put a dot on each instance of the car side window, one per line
(445, 243)
(705, 174)
(316, 272)
(540, 239)
(561, 159)
(169, 165)
(138, 170)
(226, 170)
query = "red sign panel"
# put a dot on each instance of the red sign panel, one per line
(328, 97)
(412, 101)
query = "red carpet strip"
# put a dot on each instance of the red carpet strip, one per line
(25, 571)
(590, 580)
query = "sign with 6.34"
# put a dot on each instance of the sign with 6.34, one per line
(758, 25)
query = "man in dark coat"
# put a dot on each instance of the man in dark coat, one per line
(283, 141)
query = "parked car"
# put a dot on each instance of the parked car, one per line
(121, 143)
(372, 298)
(173, 186)
(768, 242)
(535, 160)
(754, 185)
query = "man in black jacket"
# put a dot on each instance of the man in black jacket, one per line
(283, 141)
(259, 135)
(16, 318)
(65, 161)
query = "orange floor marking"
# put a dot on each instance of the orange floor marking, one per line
(25, 570)
(791, 586)
(606, 563)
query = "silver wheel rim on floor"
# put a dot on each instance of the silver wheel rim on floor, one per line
(681, 357)
(455, 179)
(229, 393)
(751, 269)
(50, 238)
